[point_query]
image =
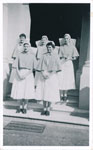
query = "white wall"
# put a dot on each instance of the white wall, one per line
(16, 20)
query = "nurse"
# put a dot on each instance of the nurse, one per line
(67, 54)
(18, 49)
(41, 49)
(47, 86)
(23, 83)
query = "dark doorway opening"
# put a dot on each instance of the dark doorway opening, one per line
(54, 20)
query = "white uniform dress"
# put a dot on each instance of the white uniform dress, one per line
(66, 76)
(40, 51)
(48, 89)
(24, 89)
(18, 49)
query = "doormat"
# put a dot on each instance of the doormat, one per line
(25, 126)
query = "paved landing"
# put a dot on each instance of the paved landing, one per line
(60, 112)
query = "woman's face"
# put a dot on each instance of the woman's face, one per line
(67, 39)
(44, 40)
(49, 48)
(22, 39)
(26, 48)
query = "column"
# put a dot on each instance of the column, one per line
(84, 65)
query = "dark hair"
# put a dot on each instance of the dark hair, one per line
(22, 35)
(26, 44)
(50, 43)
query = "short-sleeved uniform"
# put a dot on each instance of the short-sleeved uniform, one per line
(18, 49)
(66, 76)
(24, 89)
(48, 89)
(41, 49)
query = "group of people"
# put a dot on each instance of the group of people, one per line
(53, 72)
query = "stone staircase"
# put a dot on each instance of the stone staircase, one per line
(69, 106)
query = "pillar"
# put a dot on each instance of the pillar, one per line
(84, 63)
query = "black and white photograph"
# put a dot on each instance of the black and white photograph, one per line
(46, 74)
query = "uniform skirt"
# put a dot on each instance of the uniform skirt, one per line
(66, 76)
(37, 74)
(12, 75)
(47, 89)
(23, 89)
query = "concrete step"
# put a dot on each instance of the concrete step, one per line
(74, 93)
(62, 112)
(68, 106)
(55, 116)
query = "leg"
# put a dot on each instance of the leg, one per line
(65, 94)
(20, 106)
(45, 105)
(25, 104)
(61, 94)
(48, 108)
(44, 110)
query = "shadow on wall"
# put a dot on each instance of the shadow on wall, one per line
(83, 104)
(78, 76)
(6, 84)
(84, 98)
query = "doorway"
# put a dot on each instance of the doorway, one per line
(56, 19)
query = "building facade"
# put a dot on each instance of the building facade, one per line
(17, 19)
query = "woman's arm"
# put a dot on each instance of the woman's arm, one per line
(18, 73)
(18, 69)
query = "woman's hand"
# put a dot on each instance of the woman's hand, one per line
(45, 74)
(69, 58)
(25, 75)
(74, 58)
(63, 60)
(21, 77)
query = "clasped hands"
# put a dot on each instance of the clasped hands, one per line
(47, 74)
(23, 76)
(68, 58)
